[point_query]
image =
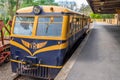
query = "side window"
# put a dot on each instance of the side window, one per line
(82, 22)
(77, 23)
(71, 25)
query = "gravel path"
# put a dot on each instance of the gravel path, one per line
(5, 71)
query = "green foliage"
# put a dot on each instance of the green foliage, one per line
(95, 16)
(6, 20)
(7, 7)
(27, 3)
(101, 16)
(6, 33)
(85, 9)
(1, 5)
(13, 5)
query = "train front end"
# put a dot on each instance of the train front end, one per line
(38, 46)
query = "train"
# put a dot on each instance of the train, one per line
(41, 37)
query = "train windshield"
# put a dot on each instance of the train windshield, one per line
(23, 25)
(49, 26)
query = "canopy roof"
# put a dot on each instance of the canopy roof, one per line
(105, 6)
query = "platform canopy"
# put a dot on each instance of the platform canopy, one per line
(105, 6)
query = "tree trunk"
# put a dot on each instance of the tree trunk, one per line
(17, 5)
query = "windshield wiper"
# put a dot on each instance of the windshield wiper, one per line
(47, 27)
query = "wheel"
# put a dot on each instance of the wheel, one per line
(7, 59)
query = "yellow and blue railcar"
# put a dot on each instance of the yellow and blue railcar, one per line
(41, 36)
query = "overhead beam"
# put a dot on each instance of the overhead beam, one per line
(112, 6)
(106, 12)
(104, 6)
(107, 7)
(106, 2)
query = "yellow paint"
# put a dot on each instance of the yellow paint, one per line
(41, 65)
(25, 10)
(40, 45)
(20, 46)
(50, 48)
(64, 27)
(25, 43)
(34, 32)
(38, 37)
(37, 46)
(35, 26)
(46, 9)
(54, 47)
(13, 23)
(64, 34)
(17, 61)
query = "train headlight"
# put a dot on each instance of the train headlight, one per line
(37, 10)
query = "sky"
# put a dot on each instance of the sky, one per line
(79, 2)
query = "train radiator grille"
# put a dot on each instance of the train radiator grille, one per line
(38, 72)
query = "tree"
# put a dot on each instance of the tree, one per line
(9, 7)
(101, 16)
(85, 9)
(68, 4)
(2, 9)
(27, 3)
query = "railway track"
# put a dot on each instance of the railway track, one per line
(20, 77)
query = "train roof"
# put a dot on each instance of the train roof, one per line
(47, 9)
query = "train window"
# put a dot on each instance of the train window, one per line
(58, 19)
(79, 24)
(48, 19)
(23, 25)
(45, 19)
(70, 19)
(72, 25)
(48, 28)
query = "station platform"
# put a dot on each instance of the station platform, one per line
(100, 57)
